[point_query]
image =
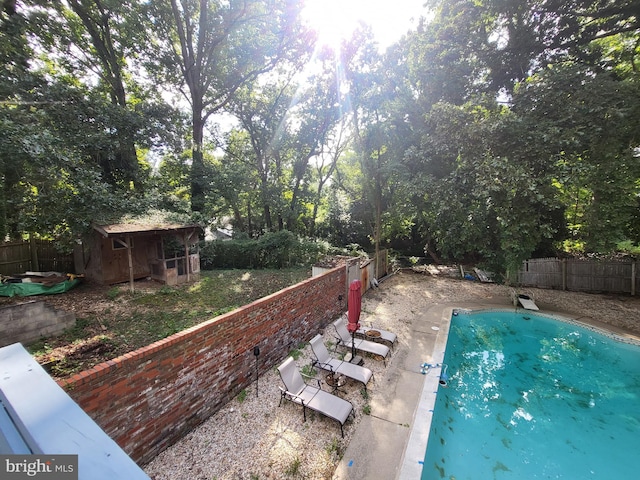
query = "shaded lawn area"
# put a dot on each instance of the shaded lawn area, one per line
(111, 320)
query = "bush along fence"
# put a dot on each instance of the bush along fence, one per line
(148, 399)
(581, 275)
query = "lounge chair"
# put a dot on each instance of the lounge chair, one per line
(344, 338)
(377, 335)
(311, 397)
(525, 301)
(338, 367)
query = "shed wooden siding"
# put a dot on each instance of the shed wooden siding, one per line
(108, 264)
(114, 263)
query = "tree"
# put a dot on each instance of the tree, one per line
(15, 81)
(493, 45)
(518, 100)
(326, 164)
(217, 47)
(235, 183)
(381, 122)
(98, 40)
(59, 192)
(589, 125)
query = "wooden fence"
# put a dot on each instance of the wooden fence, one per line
(33, 256)
(581, 275)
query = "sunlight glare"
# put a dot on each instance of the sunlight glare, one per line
(333, 20)
(336, 20)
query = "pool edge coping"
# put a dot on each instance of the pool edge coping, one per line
(411, 463)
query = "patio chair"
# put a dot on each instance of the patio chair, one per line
(376, 335)
(298, 391)
(527, 302)
(344, 338)
(338, 367)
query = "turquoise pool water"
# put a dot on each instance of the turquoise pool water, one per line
(530, 397)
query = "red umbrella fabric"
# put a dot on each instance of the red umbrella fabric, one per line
(354, 306)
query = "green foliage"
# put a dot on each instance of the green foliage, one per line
(242, 396)
(51, 188)
(335, 448)
(293, 469)
(113, 293)
(248, 41)
(491, 133)
(296, 353)
(629, 247)
(273, 250)
(308, 370)
(555, 163)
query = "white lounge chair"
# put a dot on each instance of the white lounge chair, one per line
(338, 367)
(527, 302)
(297, 391)
(344, 338)
(376, 335)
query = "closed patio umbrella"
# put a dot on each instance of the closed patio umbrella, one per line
(354, 307)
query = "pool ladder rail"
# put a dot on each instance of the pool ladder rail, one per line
(444, 378)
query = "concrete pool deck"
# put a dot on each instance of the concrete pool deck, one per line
(390, 443)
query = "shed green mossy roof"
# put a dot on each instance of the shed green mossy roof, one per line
(119, 229)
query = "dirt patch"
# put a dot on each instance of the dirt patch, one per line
(445, 285)
(111, 320)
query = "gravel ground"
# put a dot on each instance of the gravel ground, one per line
(254, 438)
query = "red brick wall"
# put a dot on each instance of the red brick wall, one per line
(148, 399)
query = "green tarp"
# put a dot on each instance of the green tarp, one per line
(29, 289)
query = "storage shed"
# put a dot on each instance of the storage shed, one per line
(126, 252)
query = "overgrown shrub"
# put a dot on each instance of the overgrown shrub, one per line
(273, 250)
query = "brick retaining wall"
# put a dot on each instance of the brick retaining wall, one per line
(148, 399)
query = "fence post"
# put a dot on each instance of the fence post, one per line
(33, 249)
(633, 277)
(564, 274)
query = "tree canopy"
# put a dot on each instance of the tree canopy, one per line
(493, 131)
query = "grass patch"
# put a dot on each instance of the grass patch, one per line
(128, 321)
(113, 293)
(335, 448)
(296, 353)
(242, 396)
(293, 469)
(308, 371)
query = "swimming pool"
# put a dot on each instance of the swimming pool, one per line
(532, 397)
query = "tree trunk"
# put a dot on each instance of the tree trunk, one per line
(264, 194)
(197, 160)
(428, 249)
(378, 222)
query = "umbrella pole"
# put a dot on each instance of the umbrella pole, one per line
(353, 346)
